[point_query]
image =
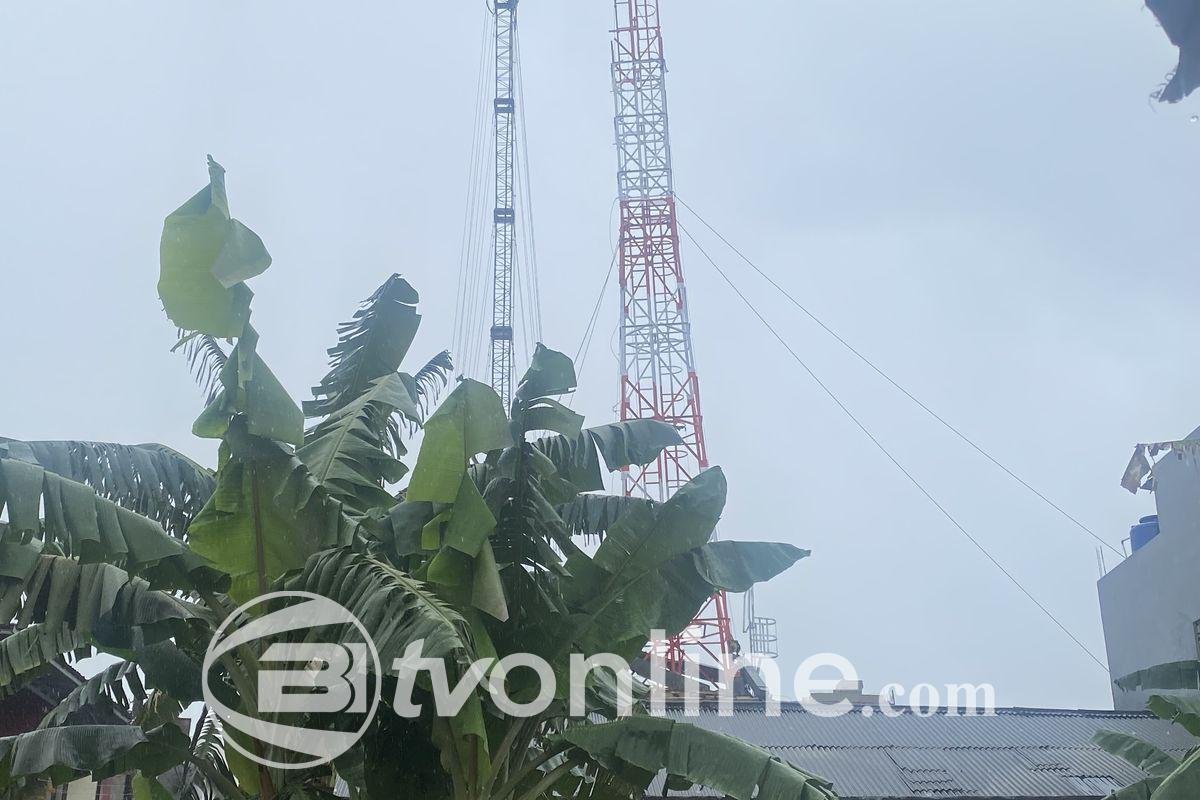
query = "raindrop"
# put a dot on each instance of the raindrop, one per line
(1194, 118)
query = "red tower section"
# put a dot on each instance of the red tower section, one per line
(658, 375)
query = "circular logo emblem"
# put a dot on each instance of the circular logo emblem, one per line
(314, 693)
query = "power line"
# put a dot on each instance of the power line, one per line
(898, 387)
(585, 343)
(523, 169)
(466, 294)
(522, 259)
(473, 330)
(878, 444)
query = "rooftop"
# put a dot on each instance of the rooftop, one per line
(1016, 753)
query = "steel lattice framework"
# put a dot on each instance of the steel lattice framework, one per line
(504, 216)
(658, 375)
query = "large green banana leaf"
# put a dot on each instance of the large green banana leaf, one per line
(1183, 783)
(371, 345)
(205, 256)
(594, 514)
(267, 515)
(622, 444)
(574, 452)
(151, 479)
(65, 753)
(736, 566)
(350, 451)
(1175, 675)
(1169, 779)
(1141, 754)
(395, 608)
(71, 516)
(115, 689)
(398, 610)
(646, 538)
(29, 649)
(93, 600)
(251, 390)
(550, 373)
(365, 400)
(656, 568)
(669, 597)
(1142, 790)
(469, 421)
(1181, 707)
(645, 746)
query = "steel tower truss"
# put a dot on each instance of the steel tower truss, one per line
(658, 375)
(504, 217)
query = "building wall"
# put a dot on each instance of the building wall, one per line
(119, 787)
(1150, 602)
(20, 712)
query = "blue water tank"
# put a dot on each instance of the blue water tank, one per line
(1143, 532)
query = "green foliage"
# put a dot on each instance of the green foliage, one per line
(1140, 790)
(1181, 707)
(96, 601)
(1168, 778)
(116, 688)
(1175, 675)
(1182, 783)
(637, 748)
(251, 392)
(27, 650)
(139, 552)
(394, 607)
(470, 421)
(351, 452)
(267, 515)
(623, 444)
(206, 257)
(371, 345)
(1143, 755)
(49, 512)
(64, 753)
(594, 514)
(151, 479)
(354, 450)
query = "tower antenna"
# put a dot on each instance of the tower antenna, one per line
(658, 371)
(504, 215)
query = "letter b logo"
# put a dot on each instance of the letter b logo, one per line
(313, 660)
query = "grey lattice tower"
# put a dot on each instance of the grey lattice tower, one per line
(504, 215)
(658, 374)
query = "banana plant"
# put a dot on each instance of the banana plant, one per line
(1176, 698)
(498, 541)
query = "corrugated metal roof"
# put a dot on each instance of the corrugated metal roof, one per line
(1016, 753)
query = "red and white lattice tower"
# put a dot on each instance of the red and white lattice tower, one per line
(658, 375)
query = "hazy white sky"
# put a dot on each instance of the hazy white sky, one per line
(978, 195)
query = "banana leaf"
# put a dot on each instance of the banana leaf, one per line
(691, 755)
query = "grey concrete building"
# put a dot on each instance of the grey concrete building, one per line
(1150, 602)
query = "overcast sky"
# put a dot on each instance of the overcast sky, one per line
(979, 196)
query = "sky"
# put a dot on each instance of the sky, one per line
(981, 197)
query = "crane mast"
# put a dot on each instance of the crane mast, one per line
(658, 372)
(504, 216)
